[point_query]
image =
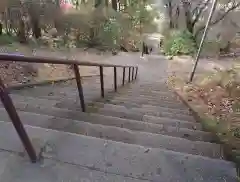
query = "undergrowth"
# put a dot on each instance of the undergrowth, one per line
(179, 43)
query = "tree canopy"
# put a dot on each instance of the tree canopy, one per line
(193, 14)
(93, 21)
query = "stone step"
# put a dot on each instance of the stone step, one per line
(35, 104)
(152, 85)
(136, 114)
(146, 111)
(157, 125)
(117, 158)
(18, 169)
(147, 118)
(165, 114)
(58, 91)
(58, 94)
(74, 98)
(132, 89)
(45, 109)
(63, 89)
(137, 97)
(156, 108)
(156, 120)
(147, 92)
(130, 104)
(109, 95)
(33, 100)
(72, 94)
(76, 106)
(90, 94)
(150, 88)
(42, 120)
(149, 97)
(149, 107)
(123, 135)
(143, 102)
(133, 99)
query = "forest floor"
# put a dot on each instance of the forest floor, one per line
(19, 73)
(214, 94)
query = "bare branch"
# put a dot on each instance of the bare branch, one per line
(188, 15)
(200, 11)
(220, 17)
(197, 7)
(177, 13)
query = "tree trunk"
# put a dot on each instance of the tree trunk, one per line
(92, 43)
(21, 32)
(188, 16)
(171, 24)
(190, 27)
(36, 28)
(114, 4)
(106, 3)
(77, 4)
(6, 22)
(125, 4)
(97, 3)
(1, 28)
(177, 17)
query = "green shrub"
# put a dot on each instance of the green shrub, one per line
(179, 43)
(110, 33)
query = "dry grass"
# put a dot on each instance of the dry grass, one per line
(216, 97)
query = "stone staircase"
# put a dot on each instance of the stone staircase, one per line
(141, 133)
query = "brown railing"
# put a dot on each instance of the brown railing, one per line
(11, 110)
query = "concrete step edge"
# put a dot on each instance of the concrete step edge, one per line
(117, 157)
(124, 135)
(43, 120)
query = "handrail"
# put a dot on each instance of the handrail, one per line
(11, 110)
(20, 58)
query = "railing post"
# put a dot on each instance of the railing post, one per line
(101, 80)
(136, 73)
(123, 81)
(115, 78)
(79, 86)
(129, 74)
(11, 110)
(132, 73)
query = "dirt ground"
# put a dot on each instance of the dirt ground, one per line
(214, 82)
(15, 73)
(183, 66)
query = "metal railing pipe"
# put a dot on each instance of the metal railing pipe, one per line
(123, 80)
(129, 74)
(11, 110)
(132, 73)
(115, 79)
(79, 86)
